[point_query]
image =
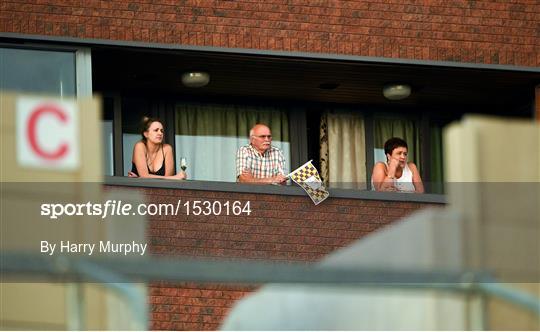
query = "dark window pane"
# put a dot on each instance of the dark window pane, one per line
(37, 71)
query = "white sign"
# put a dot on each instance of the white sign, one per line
(47, 133)
(313, 182)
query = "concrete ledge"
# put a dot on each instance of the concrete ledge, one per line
(291, 190)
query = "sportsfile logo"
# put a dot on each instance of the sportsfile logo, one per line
(118, 208)
(104, 210)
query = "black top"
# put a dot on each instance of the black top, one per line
(160, 171)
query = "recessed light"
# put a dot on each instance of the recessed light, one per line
(396, 91)
(195, 79)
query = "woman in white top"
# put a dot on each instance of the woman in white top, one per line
(396, 174)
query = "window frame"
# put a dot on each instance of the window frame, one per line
(81, 55)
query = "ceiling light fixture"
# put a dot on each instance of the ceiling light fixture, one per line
(396, 91)
(195, 79)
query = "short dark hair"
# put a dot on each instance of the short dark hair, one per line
(393, 143)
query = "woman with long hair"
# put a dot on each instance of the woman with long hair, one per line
(152, 158)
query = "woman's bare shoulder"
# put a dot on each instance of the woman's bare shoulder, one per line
(167, 148)
(380, 165)
(379, 170)
(412, 165)
(139, 146)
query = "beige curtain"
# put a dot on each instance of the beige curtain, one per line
(323, 144)
(343, 150)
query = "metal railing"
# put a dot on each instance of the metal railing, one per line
(116, 274)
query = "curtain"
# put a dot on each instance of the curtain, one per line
(323, 150)
(208, 136)
(343, 161)
(388, 127)
(229, 120)
(437, 174)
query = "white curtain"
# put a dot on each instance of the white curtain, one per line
(343, 149)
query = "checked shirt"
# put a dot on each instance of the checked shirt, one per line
(269, 164)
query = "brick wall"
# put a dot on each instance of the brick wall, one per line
(191, 306)
(506, 32)
(280, 228)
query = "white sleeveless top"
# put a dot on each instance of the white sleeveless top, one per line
(404, 183)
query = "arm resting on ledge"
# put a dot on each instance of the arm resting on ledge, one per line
(247, 177)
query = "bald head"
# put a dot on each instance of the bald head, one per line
(260, 137)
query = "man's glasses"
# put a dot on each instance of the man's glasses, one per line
(263, 136)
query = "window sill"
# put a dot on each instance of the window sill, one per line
(292, 190)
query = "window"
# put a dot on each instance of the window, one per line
(208, 136)
(424, 144)
(352, 141)
(342, 149)
(133, 111)
(435, 178)
(38, 71)
(388, 126)
(107, 136)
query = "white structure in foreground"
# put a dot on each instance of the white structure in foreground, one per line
(491, 224)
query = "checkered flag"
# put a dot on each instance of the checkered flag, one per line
(307, 177)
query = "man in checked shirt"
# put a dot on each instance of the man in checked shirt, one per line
(259, 161)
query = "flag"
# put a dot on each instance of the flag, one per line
(307, 177)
